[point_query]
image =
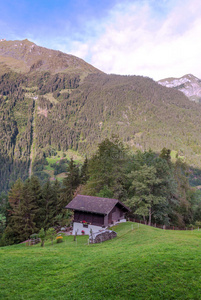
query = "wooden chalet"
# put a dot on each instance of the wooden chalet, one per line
(95, 213)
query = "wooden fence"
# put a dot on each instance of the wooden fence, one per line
(166, 227)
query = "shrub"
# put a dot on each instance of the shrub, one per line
(34, 236)
(50, 234)
(42, 236)
(59, 239)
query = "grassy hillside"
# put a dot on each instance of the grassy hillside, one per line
(143, 263)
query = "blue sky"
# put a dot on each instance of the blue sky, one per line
(151, 38)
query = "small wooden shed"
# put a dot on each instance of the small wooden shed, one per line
(95, 213)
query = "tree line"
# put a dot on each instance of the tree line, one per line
(30, 206)
(155, 188)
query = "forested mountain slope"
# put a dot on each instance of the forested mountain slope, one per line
(50, 101)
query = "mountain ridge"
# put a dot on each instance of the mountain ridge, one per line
(26, 56)
(188, 84)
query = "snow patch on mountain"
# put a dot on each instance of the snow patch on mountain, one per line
(175, 82)
(188, 84)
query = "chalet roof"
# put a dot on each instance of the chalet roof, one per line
(94, 204)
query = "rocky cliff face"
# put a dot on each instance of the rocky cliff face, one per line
(188, 84)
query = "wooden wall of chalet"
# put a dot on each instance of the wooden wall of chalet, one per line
(94, 219)
(115, 214)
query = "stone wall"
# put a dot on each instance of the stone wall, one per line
(99, 237)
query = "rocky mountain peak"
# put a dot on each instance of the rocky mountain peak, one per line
(188, 84)
(25, 56)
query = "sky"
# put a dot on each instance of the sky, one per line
(158, 39)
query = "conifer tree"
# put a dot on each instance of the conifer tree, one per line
(22, 222)
(70, 183)
(56, 188)
(4, 217)
(184, 193)
(60, 211)
(107, 170)
(165, 154)
(14, 198)
(15, 194)
(4, 209)
(84, 174)
(37, 194)
(49, 210)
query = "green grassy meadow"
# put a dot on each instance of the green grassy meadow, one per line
(49, 169)
(141, 263)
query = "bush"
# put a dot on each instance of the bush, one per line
(42, 236)
(59, 239)
(50, 234)
(34, 236)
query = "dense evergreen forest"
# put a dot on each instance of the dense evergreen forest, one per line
(154, 187)
(52, 102)
(17, 113)
(42, 113)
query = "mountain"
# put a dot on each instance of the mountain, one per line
(63, 106)
(25, 56)
(187, 84)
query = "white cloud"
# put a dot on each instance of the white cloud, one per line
(80, 49)
(137, 40)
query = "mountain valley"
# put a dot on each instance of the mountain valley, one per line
(53, 104)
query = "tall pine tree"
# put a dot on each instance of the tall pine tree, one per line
(70, 183)
(22, 221)
(49, 205)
